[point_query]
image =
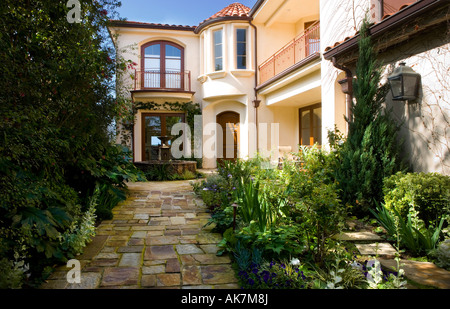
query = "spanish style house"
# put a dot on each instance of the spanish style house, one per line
(278, 75)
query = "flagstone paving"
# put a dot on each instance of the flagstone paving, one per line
(371, 245)
(156, 240)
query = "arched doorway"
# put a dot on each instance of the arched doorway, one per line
(229, 122)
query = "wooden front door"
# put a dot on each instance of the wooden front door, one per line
(229, 122)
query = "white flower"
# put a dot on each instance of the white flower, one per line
(356, 265)
(295, 261)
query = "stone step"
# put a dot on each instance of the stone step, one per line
(377, 249)
(421, 272)
(359, 236)
(368, 243)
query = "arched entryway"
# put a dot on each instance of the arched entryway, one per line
(229, 122)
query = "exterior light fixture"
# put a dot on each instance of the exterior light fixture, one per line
(404, 83)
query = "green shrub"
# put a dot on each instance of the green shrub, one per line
(214, 191)
(442, 254)
(281, 241)
(11, 274)
(429, 193)
(82, 230)
(160, 172)
(108, 198)
(410, 232)
(253, 210)
(317, 207)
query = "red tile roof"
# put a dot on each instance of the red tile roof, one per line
(233, 10)
(137, 24)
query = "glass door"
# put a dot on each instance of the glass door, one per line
(157, 132)
(310, 124)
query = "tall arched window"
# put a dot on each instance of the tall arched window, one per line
(162, 65)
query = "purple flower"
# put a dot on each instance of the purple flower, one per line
(266, 276)
(251, 282)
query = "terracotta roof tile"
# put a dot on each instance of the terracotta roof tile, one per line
(151, 25)
(233, 10)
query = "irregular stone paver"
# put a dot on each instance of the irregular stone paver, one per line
(130, 259)
(120, 276)
(423, 272)
(156, 239)
(188, 249)
(359, 236)
(376, 249)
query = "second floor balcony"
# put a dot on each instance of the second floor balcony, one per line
(156, 80)
(302, 46)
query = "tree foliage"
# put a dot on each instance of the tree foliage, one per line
(371, 150)
(56, 105)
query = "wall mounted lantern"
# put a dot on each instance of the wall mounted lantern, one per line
(404, 83)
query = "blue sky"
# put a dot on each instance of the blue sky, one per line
(178, 12)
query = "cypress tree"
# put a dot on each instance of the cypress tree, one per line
(371, 150)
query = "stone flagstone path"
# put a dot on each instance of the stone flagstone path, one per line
(370, 244)
(155, 240)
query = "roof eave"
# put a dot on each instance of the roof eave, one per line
(385, 25)
(219, 20)
(126, 24)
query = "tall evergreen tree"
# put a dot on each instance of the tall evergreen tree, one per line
(371, 150)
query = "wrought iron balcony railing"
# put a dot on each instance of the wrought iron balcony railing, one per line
(162, 80)
(299, 48)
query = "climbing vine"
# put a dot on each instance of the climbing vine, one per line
(189, 108)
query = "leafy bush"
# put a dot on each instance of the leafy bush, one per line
(57, 107)
(274, 275)
(411, 233)
(214, 191)
(254, 210)
(314, 193)
(80, 232)
(12, 274)
(428, 193)
(442, 254)
(160, 172)
(280, 241)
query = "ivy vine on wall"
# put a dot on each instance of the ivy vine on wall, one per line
(189, 108)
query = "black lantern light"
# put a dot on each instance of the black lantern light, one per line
(404, 83)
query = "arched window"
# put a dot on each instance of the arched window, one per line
(162, 65)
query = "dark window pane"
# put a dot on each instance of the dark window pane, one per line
(241, 49)
(152, 134)
(241, 62)
(241, 35)
(306, 127)
(317, 125)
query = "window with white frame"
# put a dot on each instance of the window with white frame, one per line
(241, 48)
(218, 50)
